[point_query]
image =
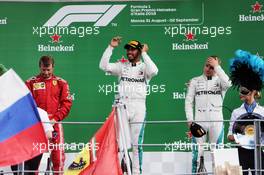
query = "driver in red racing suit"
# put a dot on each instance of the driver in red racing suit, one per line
(52, 94)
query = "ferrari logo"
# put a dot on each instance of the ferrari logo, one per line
(54, 82)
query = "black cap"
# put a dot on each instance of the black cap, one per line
(134, 44)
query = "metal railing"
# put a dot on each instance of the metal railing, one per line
(258, 145)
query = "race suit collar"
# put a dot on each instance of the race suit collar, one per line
(209, 78)
(135, 64)
(40, 77)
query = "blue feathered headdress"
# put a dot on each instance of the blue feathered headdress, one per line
(247, 70)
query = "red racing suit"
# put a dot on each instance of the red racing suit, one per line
(53, 96)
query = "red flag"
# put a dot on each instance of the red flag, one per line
(104, 160)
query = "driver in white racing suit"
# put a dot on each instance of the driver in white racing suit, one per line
(207, 92)
(133, 76)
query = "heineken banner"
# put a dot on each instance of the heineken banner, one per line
(180, 35)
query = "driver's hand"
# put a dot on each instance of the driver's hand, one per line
(115, 41)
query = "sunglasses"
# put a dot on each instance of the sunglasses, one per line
(210, 67)
(244, 91)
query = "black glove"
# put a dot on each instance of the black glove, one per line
(197, 130)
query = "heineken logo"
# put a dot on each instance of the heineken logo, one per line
(3, 21)
(255, 14)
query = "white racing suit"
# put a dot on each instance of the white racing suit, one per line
(208, 95)
(132, 90)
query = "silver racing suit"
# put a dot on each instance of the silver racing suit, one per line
(206, 95)
(132, 90)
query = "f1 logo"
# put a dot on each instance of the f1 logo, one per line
(102, 15)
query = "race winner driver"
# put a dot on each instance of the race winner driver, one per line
(133, 76)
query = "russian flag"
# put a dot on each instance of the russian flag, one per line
(22, 136)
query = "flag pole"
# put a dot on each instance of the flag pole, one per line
(118, 105)
(21, 168)
(49, 164)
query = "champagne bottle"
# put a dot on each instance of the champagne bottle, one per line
(202, 169)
